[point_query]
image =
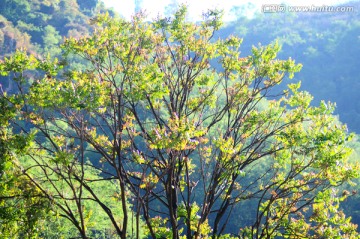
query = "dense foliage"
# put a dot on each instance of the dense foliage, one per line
(326, 43)
(40, 25)
(148, 138)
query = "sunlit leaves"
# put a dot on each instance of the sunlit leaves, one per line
(160, 229)
(75, 93)
(18, 62)
(20, 216)
(181, 135)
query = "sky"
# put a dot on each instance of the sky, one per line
(154, 8)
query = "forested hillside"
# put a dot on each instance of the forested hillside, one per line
(114, 128)
(40, 25)
(326, 44)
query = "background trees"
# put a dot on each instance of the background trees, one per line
(320, 43)
(152, 139)
(36, 25)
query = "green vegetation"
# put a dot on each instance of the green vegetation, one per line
(39, 25)
(328, 46)
(148, 139)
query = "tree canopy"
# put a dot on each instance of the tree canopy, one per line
(150, 139)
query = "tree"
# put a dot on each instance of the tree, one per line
(51, 40)
(21, 206)
(184, 141)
